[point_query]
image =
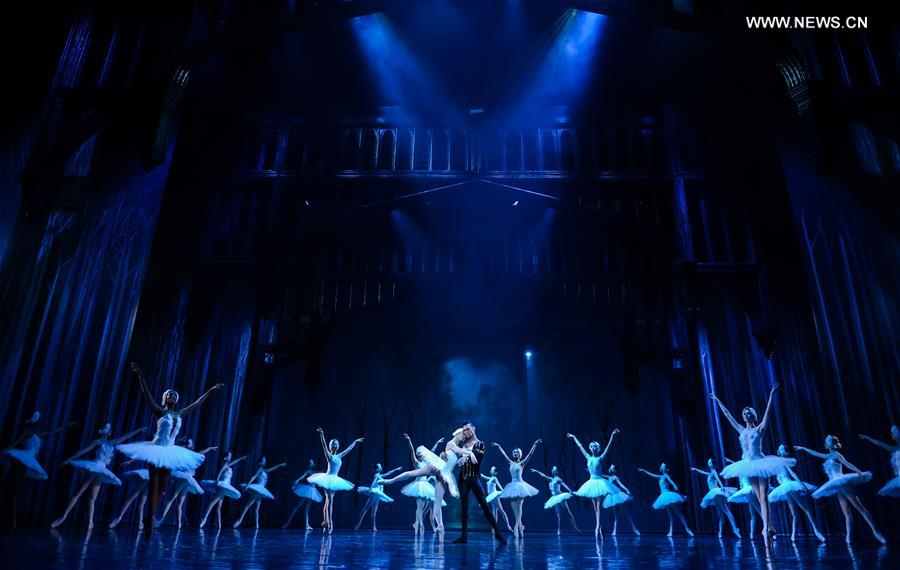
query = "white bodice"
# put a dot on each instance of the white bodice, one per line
(515, 471)
(226, 476)
(595, 467)
(105, 452)
(895, 462)
(167, 428)
(334, 464)
(832, 468)
(711, 481)
(751, 443)
(377, 482)
(32, 444)
(492, 484)
(664, 485)
(262, 479)
(555, 485)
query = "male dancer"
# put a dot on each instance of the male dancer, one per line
(469, 479)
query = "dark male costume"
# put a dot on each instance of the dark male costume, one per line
(469, 479)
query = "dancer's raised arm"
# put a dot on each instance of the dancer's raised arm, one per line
(437, 444)
(726, 413)
(325, 449)
(885, 446)
(191, 407)
(530, 453)
(128, 436)
(645, 472)
(811, 452)
(157, 409)
(765, 420)
(350, 447)
(503, 453)
(207, 450)
(614, 433)
(580, 447)
(702, 472)
(412, 448)
(542, 475)
(391, 472)
(279, 466)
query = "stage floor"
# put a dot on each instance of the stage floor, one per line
(271, 548)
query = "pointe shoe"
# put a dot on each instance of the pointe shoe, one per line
(847, 539)
(637, 532)
(820, 536)
(880, 538)
(670, 534)
(57, 523)
(308, 528)
(690, 532)
(90, 525)
(114, 523)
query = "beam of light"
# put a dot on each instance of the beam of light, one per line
(398, 74)
(563, 67)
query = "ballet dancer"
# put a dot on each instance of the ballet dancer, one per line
(668, 499)
(21, 454)
(494, 490)
(256, 491)
(308, 494)
(717, 496)
(329, 481)
(96, 471)
(794, 492)
(617, 499)
(754, 465)
(471, 455)
(596, 487)
(892, 487)
(184, 484)
(375, 494)
(558, 498)
(419, 488)
(441, 467)
(221, 488)
(429, 505)
(842, 485)
(141, 478)
(161, 454)
(517, 490)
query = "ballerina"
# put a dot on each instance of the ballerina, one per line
(23, 460)
(717, 496)
(184, 484)
(892, 487)
(221, 488)
(558, 498)
(668, 499)
(842, 485)
(494, 490)
(596, 487)
(617, 499)
(375, 494)
(517, 490)
(161, 454)
(419, 489)
(308, 494)
(96, 471)
(429, 505)
(753, 464)
(329, 481)
(793, 491)
(141, 477)
(441, 467)
(256, 491)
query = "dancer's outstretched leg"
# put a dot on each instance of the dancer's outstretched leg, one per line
(72, 502)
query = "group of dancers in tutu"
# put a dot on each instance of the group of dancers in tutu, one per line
(172, 462)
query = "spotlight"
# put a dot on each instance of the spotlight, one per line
(528, 354)
(306, 202)
(516, 203)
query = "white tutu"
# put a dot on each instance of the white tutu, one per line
(891, 489)
(789, 488)
(33, 469)
(226, 489)
(305, 491)
(743, 496)
(764, 467)
(667, 499)
(257, 489)
(330, 482)
(96, 469)
(173, 457)
(137, 474)
(616, 499)
(444, 468)
(557, 499)
(846, 482)
(377, 493)
(419, 490)
(595, 488)
(186, 479)
(518, 490)
(709, 499)
(490, 498)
